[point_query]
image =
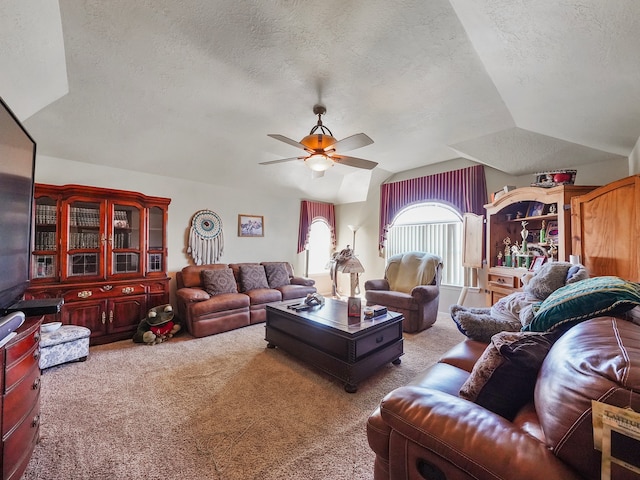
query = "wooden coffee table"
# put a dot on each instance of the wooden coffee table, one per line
(349, 348)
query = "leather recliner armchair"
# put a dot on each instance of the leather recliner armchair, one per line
(411, 286)
(424, 430)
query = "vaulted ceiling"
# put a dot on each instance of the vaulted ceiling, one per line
(191, 88)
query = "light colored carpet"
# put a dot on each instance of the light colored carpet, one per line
(222, 407)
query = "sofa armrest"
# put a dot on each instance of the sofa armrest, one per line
(190, 295)
(477, 442)
(307, 282)
(425, 293)
(376, 284)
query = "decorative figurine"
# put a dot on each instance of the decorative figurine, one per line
(507, 251)
(524, 234)
(553, 249)
(552, 208)
(543, 231)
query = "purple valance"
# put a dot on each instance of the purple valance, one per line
(464, 189)
(311, 211)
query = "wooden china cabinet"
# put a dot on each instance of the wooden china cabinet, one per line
(104, 252)
(546, 211)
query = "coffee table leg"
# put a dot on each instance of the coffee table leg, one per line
(397, 361)
(271, 345)
(350, 388)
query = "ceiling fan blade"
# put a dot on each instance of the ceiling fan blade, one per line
(284, 139)
(351, 143)
(271, 162)
(354, 162)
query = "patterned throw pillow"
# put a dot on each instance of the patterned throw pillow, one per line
(504, 377)
(252, 277)
(219, 281)
(589, 298)
(277, 275)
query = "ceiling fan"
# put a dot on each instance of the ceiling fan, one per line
(323, 150)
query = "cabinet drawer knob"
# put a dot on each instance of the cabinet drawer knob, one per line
(36, 337)
(107, 287)
(85, 294)
(379, 339)
(36, 384)
(127, 290)
(36, 354)
(35, 421)
(104, 318)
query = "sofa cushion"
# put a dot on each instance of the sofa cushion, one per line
(503, 379)
(219, 281)
(260, 296)
(252, 277)
(191, 275)
(583, 300)
(277, 275)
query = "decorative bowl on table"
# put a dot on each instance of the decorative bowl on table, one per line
(50, 327)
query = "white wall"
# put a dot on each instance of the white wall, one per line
(281, 216)
(634, 159)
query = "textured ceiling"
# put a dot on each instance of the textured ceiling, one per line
(191, 88)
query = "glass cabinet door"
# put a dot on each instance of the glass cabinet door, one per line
(155, 248)
(45, 239)
(125, 239)
(84, 240)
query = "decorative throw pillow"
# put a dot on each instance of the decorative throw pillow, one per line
(478, 324)
(504, 377)
(552, 276)
(589, 298)
(252, 277)
(277, 275)
(219, 281)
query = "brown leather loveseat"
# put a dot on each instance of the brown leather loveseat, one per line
(219, 297)
(425, 430)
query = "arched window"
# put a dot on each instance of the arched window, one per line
(430, 227)
(318, 247)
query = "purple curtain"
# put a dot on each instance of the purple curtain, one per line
(464, 189)
(310, 211)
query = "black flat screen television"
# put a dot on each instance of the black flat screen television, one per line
(17, 168)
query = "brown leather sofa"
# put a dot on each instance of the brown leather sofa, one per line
(205, 314)
(426, 431)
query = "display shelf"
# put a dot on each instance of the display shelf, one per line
(546, 216)
(103, 251)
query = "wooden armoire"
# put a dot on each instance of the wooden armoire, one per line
(605, 229)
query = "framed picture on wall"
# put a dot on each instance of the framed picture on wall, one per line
(250, 225)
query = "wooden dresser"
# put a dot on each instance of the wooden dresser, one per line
(20, 380)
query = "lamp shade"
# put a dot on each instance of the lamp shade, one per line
(318, 162)
(352, 265)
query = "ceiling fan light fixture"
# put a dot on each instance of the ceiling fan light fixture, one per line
(318, 141)
(318, 162)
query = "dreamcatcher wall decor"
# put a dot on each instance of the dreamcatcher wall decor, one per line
(206, 241)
